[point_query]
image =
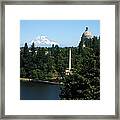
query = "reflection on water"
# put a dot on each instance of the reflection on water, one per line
(39, 91)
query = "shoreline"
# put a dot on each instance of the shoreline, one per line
(39, 81)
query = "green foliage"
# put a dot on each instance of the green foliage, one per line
(33, 48)
(77, 87)
(40, 63)
(84, 82)
(22, 73)
(34, 74)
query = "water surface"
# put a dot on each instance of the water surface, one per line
(39, 91)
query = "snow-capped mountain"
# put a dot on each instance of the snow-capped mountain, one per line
(43, 41)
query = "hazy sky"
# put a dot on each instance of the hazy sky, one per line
(65, 32)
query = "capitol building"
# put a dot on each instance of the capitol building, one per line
(86, 38)
(87, 34)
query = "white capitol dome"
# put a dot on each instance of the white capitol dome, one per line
(87, 34)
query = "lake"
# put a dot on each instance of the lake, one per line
(39, 91)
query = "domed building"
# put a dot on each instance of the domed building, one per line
(86, 38)
(87, 34)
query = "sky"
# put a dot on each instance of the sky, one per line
(66, 33)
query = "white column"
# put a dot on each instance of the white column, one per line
(70, 59)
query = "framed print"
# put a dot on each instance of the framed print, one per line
(60, 59)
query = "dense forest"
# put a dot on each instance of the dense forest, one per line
(50, 63)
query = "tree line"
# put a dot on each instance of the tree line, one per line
(50, 63)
